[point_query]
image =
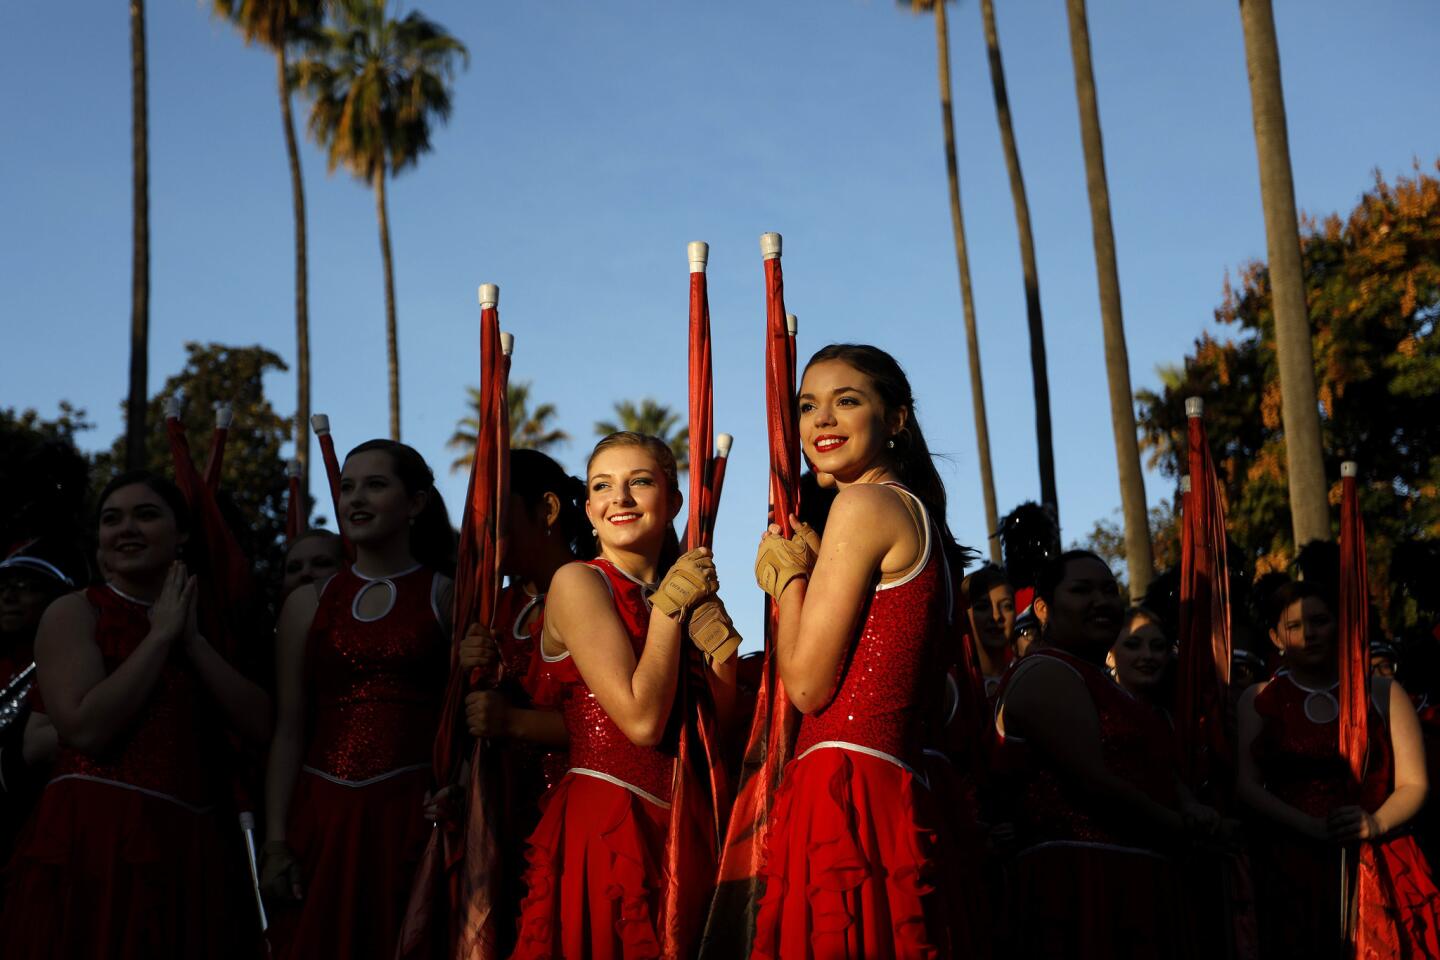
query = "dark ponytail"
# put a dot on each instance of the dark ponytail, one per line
(532, 475)
(432, 539)
(911, 455)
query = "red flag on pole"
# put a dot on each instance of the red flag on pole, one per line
(460, 872)
(216, 461)
(1354, 625)
(320, 423)
(294, 509)
(1203, 673)
(730, 930)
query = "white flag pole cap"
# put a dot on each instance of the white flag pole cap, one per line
(1194, 407)
(699, 253)
(292, 468)
(769, 245)
(320, 423)
(247, 820)
(224, 415)
(172, 407)
(1185, 483)
(1349, 469)
(792, 324)
(507, 343)
(723, 442)
(489, 295)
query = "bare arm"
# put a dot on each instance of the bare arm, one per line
(818, 620)
(1050, 706)
(545, 727)
(1411, 783)
(1250, 783)
(244, 704)
(287, 745)
(89, 708)
(637, 695)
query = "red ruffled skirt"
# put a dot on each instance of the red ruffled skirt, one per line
(1078, 901)
(850, 866)
(595, 876)
(358, 848)
(108, 871)
(1399, 908)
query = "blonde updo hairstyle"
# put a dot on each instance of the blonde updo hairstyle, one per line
(665, 457)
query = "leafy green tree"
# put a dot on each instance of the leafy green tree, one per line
(653, 419)
(253, 479)
(1372, 282)
(529, 429)
(44, 478)
(275, 24)
(377, 84)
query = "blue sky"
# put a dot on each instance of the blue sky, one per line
(590, 142)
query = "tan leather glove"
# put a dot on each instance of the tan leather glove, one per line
(779, 561)
(280, 872)
(712, 630)
(689, 581)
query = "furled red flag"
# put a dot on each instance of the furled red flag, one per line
(216, 461)
(730, 929)
(320, 423)
(460, 871)
(294, 509)
(1354, 625)
(1203, 672)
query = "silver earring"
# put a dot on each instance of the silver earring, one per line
(890, 444)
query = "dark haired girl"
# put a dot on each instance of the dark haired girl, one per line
(361, 661)
(130, 853)
(1320, 824)
(850, 866)
(1095, 813)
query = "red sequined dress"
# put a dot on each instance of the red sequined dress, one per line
(373, 689)
(1298, 880)
(1088, 880)
(596, 860)
(133, 853)
(850, 868)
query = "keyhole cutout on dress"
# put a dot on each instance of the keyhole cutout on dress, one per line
(374, 600)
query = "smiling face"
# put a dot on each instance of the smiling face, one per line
(844, 426)
(992, 616)
(1306, 633)
(630, 501)
(374, 505)
(139, 537)
(1086, 612)
(1141, 655)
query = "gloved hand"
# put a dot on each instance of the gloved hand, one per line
(712, 630)
(779, 560)
(690, 580)
(280, 872)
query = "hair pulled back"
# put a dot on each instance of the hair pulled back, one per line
(1053, 574)
(665, 457)
(1292, 593)
(160, 486)
(432, 539)
(532, 475)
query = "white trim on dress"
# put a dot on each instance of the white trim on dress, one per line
(642, 794)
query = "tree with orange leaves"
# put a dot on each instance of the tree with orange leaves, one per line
(1372, 283)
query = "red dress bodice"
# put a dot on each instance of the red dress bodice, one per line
(597, 745)
(521, 672)
(893, 681)
(1300, 759)
(1047, 805)
(164, 751)
(375, 686)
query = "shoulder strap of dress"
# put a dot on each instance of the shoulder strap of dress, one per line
(916, 507)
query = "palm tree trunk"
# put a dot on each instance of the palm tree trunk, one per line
(1299, 406)
(392, 345)
(302, 284)
(1138, 558)
(967, 298)
(135, 408)
(1040, 377)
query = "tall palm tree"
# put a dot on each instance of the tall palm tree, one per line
(275, 24)
(1040, 377)
(1299, 405)
(653, 419)
(529, 429)
(378, 83)
(1138, 560)
(138, 401)
(962, 262)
